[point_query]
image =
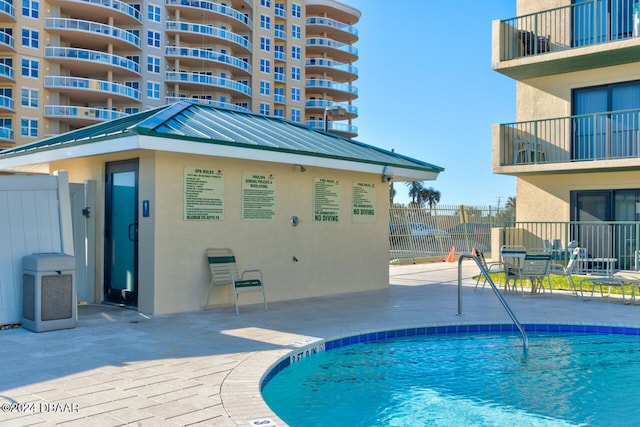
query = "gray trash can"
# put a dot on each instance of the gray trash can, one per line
(48, 292)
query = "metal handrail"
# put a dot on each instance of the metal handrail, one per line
(525, 338)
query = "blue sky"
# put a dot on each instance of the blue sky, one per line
(426, 89)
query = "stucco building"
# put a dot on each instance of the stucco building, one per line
(66, 64)
(574, 148)
(308, 208)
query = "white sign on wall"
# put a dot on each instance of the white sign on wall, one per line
(258, 196)
(326, 200)
(364, 203)
(203, 194)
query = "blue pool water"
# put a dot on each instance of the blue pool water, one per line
(462, 380)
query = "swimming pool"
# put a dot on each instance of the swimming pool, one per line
(463, 375)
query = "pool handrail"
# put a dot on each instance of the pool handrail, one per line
(525, 338)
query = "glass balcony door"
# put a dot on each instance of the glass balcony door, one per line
(606, 121)
(598, 21)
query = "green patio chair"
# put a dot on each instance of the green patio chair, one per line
(569, 269)
(222, 263)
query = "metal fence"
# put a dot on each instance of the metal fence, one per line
(605, 246)
(418, 233)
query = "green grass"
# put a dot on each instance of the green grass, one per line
(560, 283)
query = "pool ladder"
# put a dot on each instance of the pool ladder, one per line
(525, 339)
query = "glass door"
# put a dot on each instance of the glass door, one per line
(121, 233)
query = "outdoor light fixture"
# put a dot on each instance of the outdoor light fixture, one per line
(334, 111)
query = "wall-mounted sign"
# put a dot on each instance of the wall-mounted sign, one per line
(203, 194)
(326, 200)
(364, 202)
(258, 196)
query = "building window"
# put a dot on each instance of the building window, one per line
(265, 44)
(278, 52)
(280, 9)
(265, 87)
(606, 124)
(29, 127)
(153, 13)
(296, 72)
(29, 97)
(265, 108)
(278, 112)
(153, 64)
(265, 66)
(296, 31)
(30, 68)
(295, 52)
(153, 38)
(31, 9)
(265, 22)
(265, 3)
(296, 10)
(131, 110)
(153, 90)
(295, 94)
(30, 38)
(295, 115)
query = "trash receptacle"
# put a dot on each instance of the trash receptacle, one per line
(48, 292)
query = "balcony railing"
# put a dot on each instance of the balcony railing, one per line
(209, 55)
(93, 28)
(212, 102)
(599, 136)
(7, 8)
(79, 83)
(330, 84)
(88, 113)
(328, 22)
(323, 104)
(6, 134)
(208, 30)
(579, 24)
(335, 126)
(328, 63)
(215, 7)
(207, 80)
(91, 56)
(318, 41)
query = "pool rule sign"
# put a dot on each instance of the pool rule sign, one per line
(258, 196)
(326, 200)
(203, 194)
(364, 202)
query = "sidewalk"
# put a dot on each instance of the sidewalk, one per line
(119, 367)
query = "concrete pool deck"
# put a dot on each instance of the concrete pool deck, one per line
(120, 367)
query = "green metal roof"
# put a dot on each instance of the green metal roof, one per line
(206, 124)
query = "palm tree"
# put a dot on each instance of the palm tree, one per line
(415, 187)
(429, 196)
(511, 203)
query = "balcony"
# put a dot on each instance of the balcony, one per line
(576, 37)
(196, 80)
(331, 28)
(340, 91)
(84, 90)
(6, 135)
(6, 73)
(603, 141)
(343, 129)
(207, 34)
(91, 61)
(80, 116)
(121, 12)
(320, 105)
(337, 70)
(199, 10)
(194, 57)
(219, 104)
(6, 104)
(7, 43)
(7, 12)
(92, 34)
(336, 50)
